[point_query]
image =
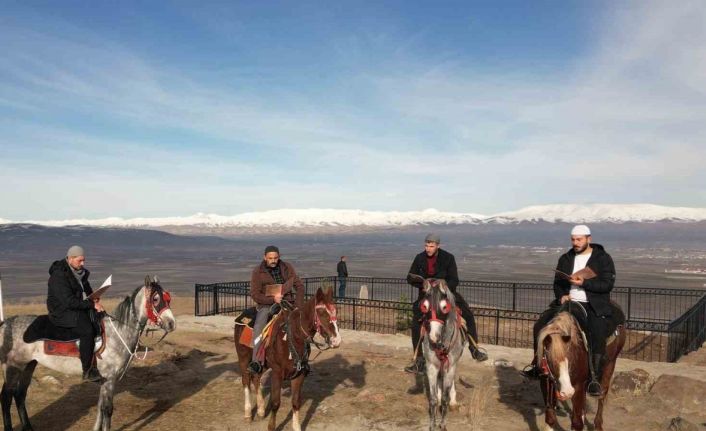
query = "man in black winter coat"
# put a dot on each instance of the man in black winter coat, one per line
(593, 294)
(342, 271)
(434, 262)
(69, 309)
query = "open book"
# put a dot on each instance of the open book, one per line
(273, 289)
(101, 290)
(586, 273)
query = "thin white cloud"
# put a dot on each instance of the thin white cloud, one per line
(621, 125)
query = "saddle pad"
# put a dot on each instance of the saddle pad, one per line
(246, 338)
(246, 317)
(59, 341)
(61, 348)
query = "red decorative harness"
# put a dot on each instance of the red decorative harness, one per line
(156, 305)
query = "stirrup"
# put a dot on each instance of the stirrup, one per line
(416, 367)
(479, 354)
(594, 388)
(255, 367)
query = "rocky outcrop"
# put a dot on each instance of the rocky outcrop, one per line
(635, 382)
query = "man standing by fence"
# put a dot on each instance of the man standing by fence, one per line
(271, 271)
(592, 293)
(342, 271)
(434, 262)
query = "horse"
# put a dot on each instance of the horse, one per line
(148, 303)
(287, 351)
(563, 355)
(443, 340)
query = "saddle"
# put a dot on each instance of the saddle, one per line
(577, 310)
(246, 318)
(58, 341)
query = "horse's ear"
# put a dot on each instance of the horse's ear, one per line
(320, 296)
(156, 279)
(329, 294)
(147, 281)
(442, 285)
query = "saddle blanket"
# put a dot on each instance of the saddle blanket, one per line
(58, 341)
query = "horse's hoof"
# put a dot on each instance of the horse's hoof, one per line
(454, 407)
(261, 413)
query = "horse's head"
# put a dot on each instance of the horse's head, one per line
(156, 302)
(437, 306)
(325, 317)
(559, 342)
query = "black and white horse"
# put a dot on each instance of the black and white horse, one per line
(442, 342)
(146, 304)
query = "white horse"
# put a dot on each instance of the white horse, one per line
(149, 303)
(443, 341)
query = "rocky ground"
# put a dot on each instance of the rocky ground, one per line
(192, 382)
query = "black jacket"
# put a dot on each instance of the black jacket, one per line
(598, 288)
(445, 269)
(65, 296)
(342, 269)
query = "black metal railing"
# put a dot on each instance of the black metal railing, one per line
(663, 324)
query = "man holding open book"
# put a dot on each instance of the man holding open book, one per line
(585, 274)
(272, 281)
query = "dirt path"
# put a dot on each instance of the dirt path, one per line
(192, 383)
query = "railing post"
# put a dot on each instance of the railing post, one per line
(372, 288)
(196, 299)
(497, 326)
(215, 300)
(629, 302)
(514, 296)
(354, 302)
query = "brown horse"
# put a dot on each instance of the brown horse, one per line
(292, 333)
(563, 356)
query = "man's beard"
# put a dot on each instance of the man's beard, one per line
(580, 250)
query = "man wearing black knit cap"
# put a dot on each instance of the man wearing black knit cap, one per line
(434, 262)
(271, 271)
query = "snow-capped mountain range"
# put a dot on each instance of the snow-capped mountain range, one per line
(300, 218)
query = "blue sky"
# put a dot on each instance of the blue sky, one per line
(143, 109)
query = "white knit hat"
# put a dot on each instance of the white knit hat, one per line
(580, 229)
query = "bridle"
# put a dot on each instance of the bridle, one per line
(157, 301)
(319, 328)
(429, 314)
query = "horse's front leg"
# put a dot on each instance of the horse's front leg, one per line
(275, 397)
(448, 382)
(578, 407)
(453, 404)
(105, 406)
(434, 395)
(12, 375)
(605, 385)
(549, 402)
(297, 401)
(260, 394)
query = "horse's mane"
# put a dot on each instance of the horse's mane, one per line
(562, 324)
(125, 310)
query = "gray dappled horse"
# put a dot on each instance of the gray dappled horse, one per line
(149, 303)
(443, 341)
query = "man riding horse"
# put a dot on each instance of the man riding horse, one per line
(69, 307)
(434, 262)
(592, 293)
(271, 271)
